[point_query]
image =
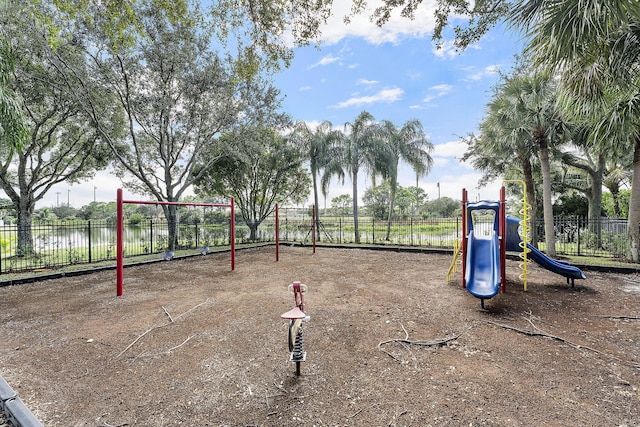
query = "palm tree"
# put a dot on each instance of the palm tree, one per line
(595, 45)
(409, 145)
(615, 177)
(521, 121)
(321, 146)
(537, 113)
(590, 164)
(360, 148)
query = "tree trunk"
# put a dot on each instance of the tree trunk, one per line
(615, 195)
(253, 230)
(392, 199)
(171, 214)
(547, 207)
(315, 205)
(633, 223)
(595, 202)
(531, 200)
(25, 234)
(354, 178)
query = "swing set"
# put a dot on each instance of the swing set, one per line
(120, 201)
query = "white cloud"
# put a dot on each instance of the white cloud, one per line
(446, 51)
(325, 60)
(452, 149)
(392, 32)
(488, 71)
(437, 91)
(367, 82)
(385, 95)
(442, 89)
(304, 88)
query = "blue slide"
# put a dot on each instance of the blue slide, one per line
(482, 274)
(558, 267)
(555, 266)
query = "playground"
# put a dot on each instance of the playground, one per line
(390, 342)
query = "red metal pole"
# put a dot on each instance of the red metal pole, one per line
(232, 238)
(503, 239)
(119, 244)
(313, 226)
(464, 236)
(277, 234)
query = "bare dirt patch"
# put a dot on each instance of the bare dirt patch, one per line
(192, 343)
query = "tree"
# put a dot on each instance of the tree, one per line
(408, 145)
(404, 201)
(477, 17)
(538, 115)
(320, 145)
(571, 204)
(595, 46)
(591, 167)
(256, 27)
(360, 147)
(270, 172)
(94, 210)
(376, 199)
(418, 198)
(177, 95)
(13, 128)
(62, 145)
(341, 204)
(622, 202)
(444, 207)
(614, 179)
(502, 139)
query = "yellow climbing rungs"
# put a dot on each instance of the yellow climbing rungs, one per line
(453, 269)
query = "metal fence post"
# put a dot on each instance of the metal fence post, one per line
(89, 238)
(373, 230)
(151, 236)
(578, 233)
(411, 229)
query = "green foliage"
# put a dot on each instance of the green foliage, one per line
(444, 207)
(571, 204)
(269, 171)
(472, 19)
(623, 200)
(65, 211)
(14, 131)
(341, 205)
(189, 216)
(136, 219)
(376, 199)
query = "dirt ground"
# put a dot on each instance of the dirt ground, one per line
(389, 344)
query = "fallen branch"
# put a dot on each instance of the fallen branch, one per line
(160, 326)
(193, 308)
(619, 317)
(138, 339)
(406, 340)
(165, 310)
(171, 349)
(354, 415)
(540, 333)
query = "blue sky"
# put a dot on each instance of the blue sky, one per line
(395, 73)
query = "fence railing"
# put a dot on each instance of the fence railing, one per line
(58, 244)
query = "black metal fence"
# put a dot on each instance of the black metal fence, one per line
(57, 244)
